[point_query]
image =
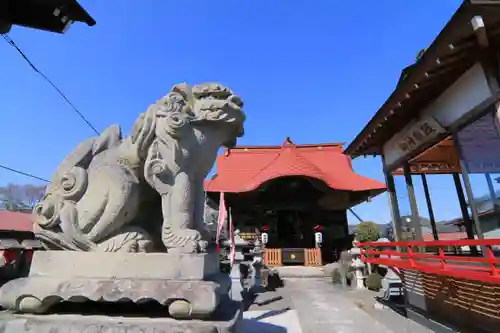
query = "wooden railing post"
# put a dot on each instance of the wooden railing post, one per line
(411, 256)
(442, 258)
(491, 257)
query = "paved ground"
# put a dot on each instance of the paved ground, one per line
(390, 317)
(269, 321)
(306, 305)
(313, 305)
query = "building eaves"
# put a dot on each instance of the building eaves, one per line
(452, 52)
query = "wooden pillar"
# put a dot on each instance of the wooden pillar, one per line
(491, 189)
(429, 207)
(393, 204)
(469, 227)
(468, 189)
(415, 220)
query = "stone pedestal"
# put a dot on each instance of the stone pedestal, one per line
(192, 293)
(170, 266)
(229, 323)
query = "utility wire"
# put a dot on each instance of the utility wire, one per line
(11, 42)
(355, 215)
(23, 173)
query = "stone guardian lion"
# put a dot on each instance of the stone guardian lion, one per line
(94, 201)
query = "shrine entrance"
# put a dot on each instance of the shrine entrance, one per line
(293, 230)
(290, 193)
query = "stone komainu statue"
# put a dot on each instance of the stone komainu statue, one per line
(115, 193)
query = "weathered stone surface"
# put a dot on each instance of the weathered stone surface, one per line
(38, 294)
(126, 216)
(172, 266)
(229, 323)
(144, 192)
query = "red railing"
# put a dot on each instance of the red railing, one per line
(412, 256)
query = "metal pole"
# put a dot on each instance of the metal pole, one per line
(415, 221)
(429, 207)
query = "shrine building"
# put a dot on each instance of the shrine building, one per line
(291, 192)
(441, 122)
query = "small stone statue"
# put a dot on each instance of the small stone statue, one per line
(96, 198)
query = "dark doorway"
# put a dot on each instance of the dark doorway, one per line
(292, 230)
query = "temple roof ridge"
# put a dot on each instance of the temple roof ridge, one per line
(294, 164)
(288, 143)
(247, 168)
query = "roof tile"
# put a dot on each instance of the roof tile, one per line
(244, 169)
(15, 221)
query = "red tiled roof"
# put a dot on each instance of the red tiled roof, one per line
(244, 169)
(15, 221)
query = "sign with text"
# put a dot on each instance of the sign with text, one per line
(429, 168)
(417, 134)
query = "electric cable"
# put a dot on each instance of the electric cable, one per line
(11, 42)
(23, 173)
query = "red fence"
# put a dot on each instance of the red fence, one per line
(417, 256)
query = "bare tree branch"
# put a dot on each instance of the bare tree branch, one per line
(20, 197)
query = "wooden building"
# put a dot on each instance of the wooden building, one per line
(17, 242)
(290, 192)
(443, 118)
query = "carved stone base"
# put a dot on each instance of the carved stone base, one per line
(182, 299)
(171, 266)
(187, 286)
(227, 321)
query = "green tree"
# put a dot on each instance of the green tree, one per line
(367, 232)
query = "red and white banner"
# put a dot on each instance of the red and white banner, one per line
(232, 254)
(223, 215)
(221, 219)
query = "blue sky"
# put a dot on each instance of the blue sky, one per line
(315, 71)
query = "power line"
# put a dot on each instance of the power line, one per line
(355, 215)
(11, 42)
(23, 173)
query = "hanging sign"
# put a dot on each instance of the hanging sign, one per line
(429, 168)
(416, 134)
